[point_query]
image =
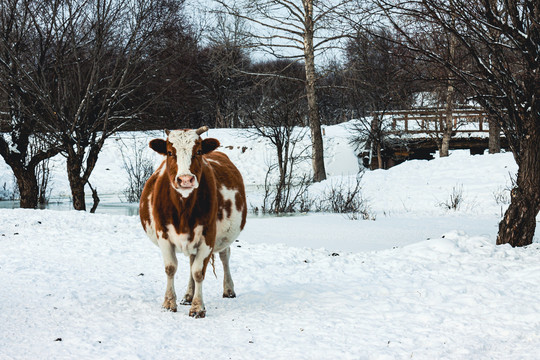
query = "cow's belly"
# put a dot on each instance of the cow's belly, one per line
(183, 243)
(227, 230)
(229, 226)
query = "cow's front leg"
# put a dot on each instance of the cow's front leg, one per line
(188, 297)
(198, 269)
(171, 264)
(228, 285)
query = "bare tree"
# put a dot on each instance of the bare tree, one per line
(502, 40)
(137, 164)
(222, 84)
(274, 112)
(380, 77)
(448, 87)
(222, 62)
(97, 55)
(174, 65)
(296, 29)
(17, 101)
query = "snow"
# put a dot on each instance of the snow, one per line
(419, 282)
(96, 283)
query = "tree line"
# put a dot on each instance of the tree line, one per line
(74, 72)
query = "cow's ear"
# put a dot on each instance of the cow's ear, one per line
(209, 145)
(159, 145)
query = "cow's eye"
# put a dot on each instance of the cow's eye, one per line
(169, 153)
(199, 152)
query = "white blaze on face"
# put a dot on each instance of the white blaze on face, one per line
(183, 142)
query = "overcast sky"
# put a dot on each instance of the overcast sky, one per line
(200, 12)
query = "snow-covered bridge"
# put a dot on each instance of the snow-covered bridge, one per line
(415, 134)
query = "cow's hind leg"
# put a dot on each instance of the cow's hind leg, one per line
(228, 285)
(188, 297)
(171, 264)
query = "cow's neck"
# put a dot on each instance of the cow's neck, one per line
(205, 192)
(187, 203)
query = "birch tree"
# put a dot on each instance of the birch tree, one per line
(301, 30)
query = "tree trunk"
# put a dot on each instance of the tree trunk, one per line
(77, 193)
(76, 183)
(494, 136)
(76, 176)
(28, 187)
(317, 155)
(379, 155)
(219, 118)
(519, 222)
(445, 142)
(448, 123)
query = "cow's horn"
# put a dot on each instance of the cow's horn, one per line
(201, 130)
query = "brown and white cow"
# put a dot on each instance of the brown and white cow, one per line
(194, 203)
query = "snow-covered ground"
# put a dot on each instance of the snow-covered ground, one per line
(419, 282)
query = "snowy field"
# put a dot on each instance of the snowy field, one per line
(419, 282)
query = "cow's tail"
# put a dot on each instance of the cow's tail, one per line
(212, 260)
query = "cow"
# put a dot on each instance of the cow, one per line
(194, 203)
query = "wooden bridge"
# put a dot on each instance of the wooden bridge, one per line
(415, 134)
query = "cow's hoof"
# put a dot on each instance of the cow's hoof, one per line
(169, 305)
(229, 294)
(197, 314)
(186, 300)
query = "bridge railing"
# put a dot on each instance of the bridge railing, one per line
(429, 120)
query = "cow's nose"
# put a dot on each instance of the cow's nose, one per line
(186, 180)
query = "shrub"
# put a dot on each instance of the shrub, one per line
(138, 166)
(345, 197)
(455, 200)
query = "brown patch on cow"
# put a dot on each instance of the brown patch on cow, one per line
(198, 276)
(220, 208)
(227, 206)
(244, 148)
(209, 145)
(170, 270)
(244, 217)
(238, 199)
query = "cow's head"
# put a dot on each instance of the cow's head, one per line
(184, 150)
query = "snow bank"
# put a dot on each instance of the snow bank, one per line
(414, 187)
(252, 154)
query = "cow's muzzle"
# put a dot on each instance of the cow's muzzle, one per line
(186, 181)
